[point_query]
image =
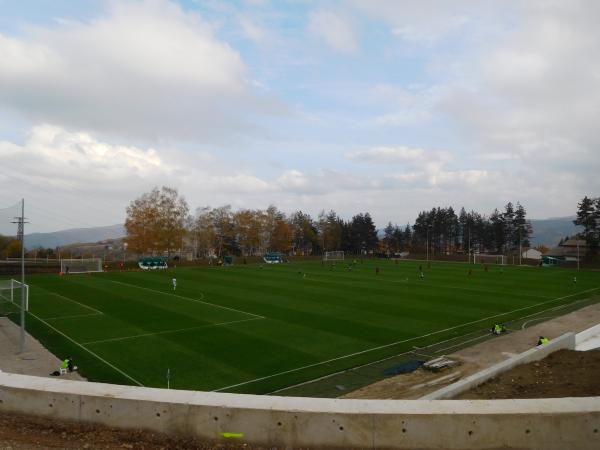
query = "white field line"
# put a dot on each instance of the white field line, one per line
(533, 320)
(422, 348)
(75, 316)
(486, 291)
(476, 338)
(463, 262)
(400, 342)
(483, 291)
(189, 299)
(408, 352)
(180, 330)
(70, 299)
(87, 350)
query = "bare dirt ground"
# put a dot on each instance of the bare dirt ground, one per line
(29, 433)
(478, 357)
(565, 373)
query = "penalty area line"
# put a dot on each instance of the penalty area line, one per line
(70, 300)
(75, 316)
(189, 299)
(297, 369)
(180, 330)
(87, 350)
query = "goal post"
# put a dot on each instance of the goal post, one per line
(488, 259)
(11, 292)
(333, 256)
(80, 265)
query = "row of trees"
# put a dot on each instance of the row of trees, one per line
(9, 247)
(588, 217)
(501, 232)
(159, 222)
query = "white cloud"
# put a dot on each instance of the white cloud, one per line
(252, 30)
(402, 118)
(386, 155)
(518, 108)
(537, 92)
(147, 69)
(406, 106)
(401, 155)
(334, 29)
(64, 171)
(427, 21)
(54, 157)
(419, 34)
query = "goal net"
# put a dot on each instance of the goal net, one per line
(333, 256)
(488, 259)
(10, 295)
(80, 265)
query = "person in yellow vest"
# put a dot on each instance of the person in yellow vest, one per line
(67, 364)
(543, 340)
(498, 329)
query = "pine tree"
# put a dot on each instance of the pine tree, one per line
(496, 232)
(389, 238)
(511, 237)
(588, 216)
(522, 227)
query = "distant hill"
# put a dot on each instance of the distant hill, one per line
(75, 235)
(549, 232)
(545, 231)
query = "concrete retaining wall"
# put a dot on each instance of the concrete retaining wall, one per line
(567, 341)
(586, 334)
(288, 422)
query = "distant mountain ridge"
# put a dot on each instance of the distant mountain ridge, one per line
(546, 232)
(549, 232)
(72, 236)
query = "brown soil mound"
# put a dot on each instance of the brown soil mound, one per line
(565, 373)
(28, 433)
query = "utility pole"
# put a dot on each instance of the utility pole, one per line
(469, 244)
(520, 247)
(427, 243)
(20, 221)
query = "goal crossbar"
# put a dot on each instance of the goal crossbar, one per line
(333, 256)
(81, 265)
(490, 259)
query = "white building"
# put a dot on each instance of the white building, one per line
(532, 253)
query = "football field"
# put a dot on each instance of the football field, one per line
(257, 329)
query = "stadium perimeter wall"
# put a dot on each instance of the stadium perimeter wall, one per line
(288, 422)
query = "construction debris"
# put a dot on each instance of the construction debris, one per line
(440, 363)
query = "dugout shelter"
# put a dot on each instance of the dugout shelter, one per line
(153, 263)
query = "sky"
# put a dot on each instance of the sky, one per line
(385, 106)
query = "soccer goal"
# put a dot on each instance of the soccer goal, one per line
(488, 259)
(333, 256)
(81, 265)
(11, 292)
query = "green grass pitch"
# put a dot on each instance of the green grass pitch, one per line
(254, 329)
